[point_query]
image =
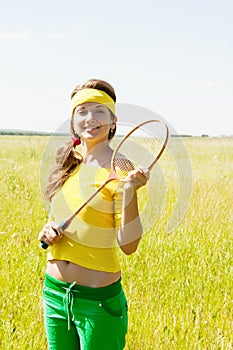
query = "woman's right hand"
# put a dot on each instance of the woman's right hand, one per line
(50, 234)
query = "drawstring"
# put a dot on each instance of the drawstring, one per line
(68, 301)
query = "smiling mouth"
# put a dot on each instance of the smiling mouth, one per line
(89, 128)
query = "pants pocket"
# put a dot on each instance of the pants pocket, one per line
(116, 306)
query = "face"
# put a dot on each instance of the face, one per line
(93, 121)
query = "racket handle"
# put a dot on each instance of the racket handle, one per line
(64, 224)
(45, 245)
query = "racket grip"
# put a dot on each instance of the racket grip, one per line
(45, 245)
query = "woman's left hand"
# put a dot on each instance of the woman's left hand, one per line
(137, 178)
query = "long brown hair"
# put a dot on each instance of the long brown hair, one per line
(67, 158)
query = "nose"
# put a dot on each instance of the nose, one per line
(89, 116)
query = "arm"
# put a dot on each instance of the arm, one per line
(130, 231)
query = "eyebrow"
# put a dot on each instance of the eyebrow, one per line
(79, 108)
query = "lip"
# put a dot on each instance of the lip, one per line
(92, 128)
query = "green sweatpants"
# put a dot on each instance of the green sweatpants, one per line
(78, 317)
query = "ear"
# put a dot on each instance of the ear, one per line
(114, 122)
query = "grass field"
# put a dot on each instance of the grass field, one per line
(179, 285)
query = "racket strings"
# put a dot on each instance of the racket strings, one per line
(134, 152)
(122, 165)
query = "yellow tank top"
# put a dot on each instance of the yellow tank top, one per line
(91, 239)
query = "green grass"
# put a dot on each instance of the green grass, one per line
(179, 285)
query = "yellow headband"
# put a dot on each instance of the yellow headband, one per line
(92, 95)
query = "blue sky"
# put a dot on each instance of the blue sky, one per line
(173, 57)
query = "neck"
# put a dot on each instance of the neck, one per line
(100, 153)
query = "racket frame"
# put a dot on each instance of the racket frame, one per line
(113, 175)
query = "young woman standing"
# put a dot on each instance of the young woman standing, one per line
(84, 304)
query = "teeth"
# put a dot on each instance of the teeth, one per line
(93, 128)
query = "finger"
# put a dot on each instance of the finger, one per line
(47, 241)
(56, 235)
(43, 234)
(57, 229)
(48, 234)
(145, 171)
(136, 180)
(138, 177)
(52, 234)
(40, 236)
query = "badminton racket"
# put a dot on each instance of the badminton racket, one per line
(140, 148)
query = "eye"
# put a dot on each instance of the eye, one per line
(99, 111)
(82, 112)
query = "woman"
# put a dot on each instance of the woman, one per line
(84, 304)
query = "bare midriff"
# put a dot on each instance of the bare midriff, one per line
(68, 272)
